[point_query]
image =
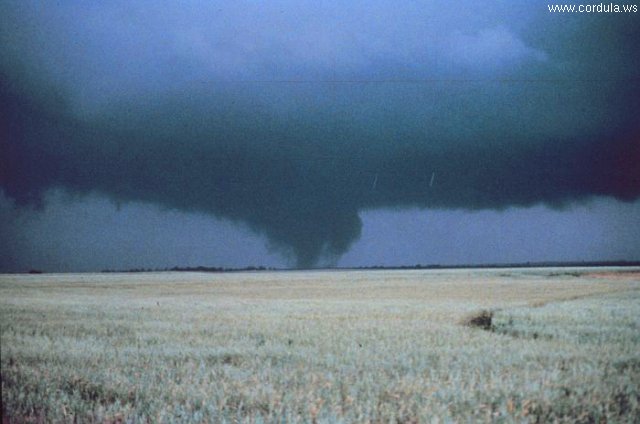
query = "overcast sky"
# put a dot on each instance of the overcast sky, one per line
(301, 134)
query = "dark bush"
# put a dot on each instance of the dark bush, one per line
(482, 319)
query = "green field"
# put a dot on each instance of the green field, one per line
(562, 345)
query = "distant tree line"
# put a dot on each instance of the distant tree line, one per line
(193, 269)
(380, 267)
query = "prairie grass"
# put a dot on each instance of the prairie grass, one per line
(324, 346)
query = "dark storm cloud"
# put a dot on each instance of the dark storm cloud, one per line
(293, 117)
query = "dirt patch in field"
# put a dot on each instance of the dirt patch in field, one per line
(617, 275)
(225, 359)
(96, 392)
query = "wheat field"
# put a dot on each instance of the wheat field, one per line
(403, 346)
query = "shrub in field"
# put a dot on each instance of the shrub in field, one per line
(482, 319)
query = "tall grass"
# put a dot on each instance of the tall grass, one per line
(321, 347)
